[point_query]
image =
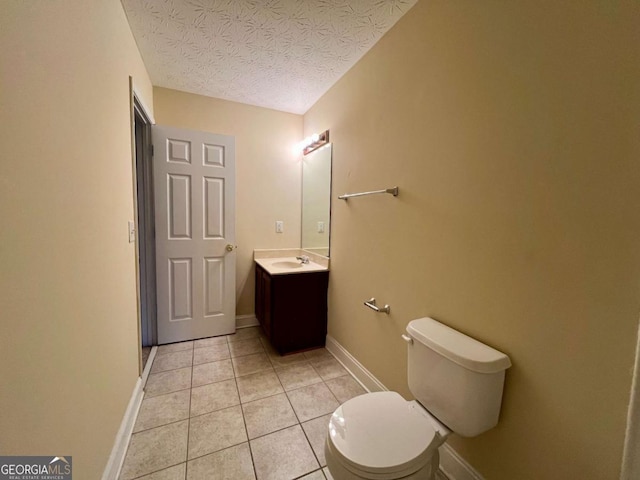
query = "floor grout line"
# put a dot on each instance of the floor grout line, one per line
(299, 424)
(164, 354)
(275, 367)
(244, 421)
(186, 460)
(309, 473)
(161, 470)
(241, 404)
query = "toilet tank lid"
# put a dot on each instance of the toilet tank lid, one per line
(458, 347)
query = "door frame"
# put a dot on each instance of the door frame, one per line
(143, 293)
(145, 227)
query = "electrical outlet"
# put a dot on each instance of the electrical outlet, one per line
(279, 226)
(320, 227)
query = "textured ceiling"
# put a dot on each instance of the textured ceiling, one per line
(281, 54)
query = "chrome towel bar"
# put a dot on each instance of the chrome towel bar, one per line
(393, 191)
(371, 303)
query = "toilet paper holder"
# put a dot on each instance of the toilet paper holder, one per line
(371, 303)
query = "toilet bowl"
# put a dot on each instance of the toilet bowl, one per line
(383, 436)
(457, 382)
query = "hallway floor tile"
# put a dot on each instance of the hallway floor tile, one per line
(231, 407)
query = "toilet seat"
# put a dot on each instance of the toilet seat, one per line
(381, 435)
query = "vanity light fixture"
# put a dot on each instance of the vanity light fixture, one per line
(314, 142)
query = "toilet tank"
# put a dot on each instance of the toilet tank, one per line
(455, 377)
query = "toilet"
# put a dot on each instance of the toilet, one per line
(457, 382)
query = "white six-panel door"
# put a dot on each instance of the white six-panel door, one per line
(194, 189)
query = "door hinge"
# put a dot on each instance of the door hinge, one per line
(151, 148)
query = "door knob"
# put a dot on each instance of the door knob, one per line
(230, 247)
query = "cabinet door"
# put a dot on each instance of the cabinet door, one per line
(266, 304)
(299, 309)
(259, 297)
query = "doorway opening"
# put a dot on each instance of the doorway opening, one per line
(146, 229)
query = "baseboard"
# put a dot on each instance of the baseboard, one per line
(452, 465)
(455, 467)
(630, 457)
(441, 476)
(348, 361)
(116, 459)
(147, 367)
(243, 321)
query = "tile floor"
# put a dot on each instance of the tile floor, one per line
(231, 407)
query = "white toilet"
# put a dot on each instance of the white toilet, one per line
(457, 382)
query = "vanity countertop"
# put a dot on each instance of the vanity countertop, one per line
(283, 261)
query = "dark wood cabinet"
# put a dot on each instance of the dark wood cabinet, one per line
(292, 309)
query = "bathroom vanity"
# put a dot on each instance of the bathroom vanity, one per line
(291, 296)
(291, 302)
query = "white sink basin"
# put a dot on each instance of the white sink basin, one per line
(287, 264)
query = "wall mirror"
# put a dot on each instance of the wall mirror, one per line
(316, 200)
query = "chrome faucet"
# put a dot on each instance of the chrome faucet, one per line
(303, 259)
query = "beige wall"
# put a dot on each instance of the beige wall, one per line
(511, 130)
(68, 344)
(268, 174)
